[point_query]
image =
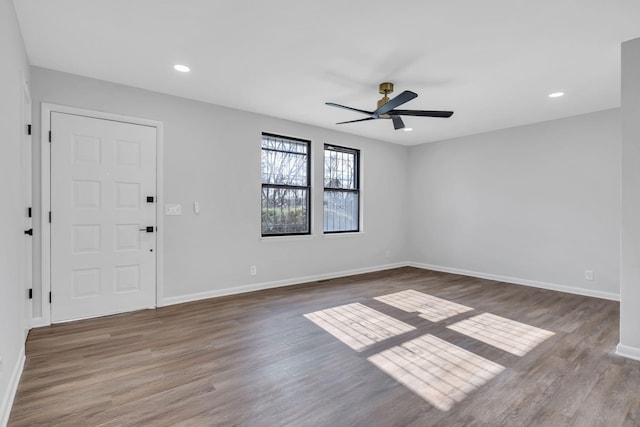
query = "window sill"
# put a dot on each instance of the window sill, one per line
(270, 239)
(267, 239)
(342, 235)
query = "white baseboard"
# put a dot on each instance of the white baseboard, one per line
(517, 281)
(166, 301)
(275, 284)
(628, 351)
(7, 401)
(38, 322)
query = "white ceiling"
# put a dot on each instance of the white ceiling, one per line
(493, 62)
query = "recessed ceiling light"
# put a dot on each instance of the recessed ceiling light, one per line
(556, 94)
(182, 68)
(407, 129)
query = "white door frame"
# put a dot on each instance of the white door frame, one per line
(27, 165)
(45, 226)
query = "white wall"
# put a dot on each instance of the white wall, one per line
(12, 239)
(630, 227)
(536, 204)
(212, 154)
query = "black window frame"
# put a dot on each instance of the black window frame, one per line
(356, 190)
(286, 186)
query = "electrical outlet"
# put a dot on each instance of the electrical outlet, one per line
(252, 270)
(387, 254)
(588, 275)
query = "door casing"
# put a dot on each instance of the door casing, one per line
(26, 152)
(45, 199)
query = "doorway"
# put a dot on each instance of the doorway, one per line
(102, 217)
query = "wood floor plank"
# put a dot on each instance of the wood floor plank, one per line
(256, 360)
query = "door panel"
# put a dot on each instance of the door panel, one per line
(102, 257)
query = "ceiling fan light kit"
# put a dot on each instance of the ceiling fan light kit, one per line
(386, 108)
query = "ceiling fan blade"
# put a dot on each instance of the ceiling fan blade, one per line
(405, 96)
(359, 120)
(422, 113)
(397, 122)
(331, 104)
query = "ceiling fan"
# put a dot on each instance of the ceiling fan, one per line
(386, 108)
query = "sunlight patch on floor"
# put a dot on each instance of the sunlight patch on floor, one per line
(431, 308)
(357, 325)
(508, 335)
(439, 372)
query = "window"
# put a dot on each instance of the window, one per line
(285, 186)
(341, 189)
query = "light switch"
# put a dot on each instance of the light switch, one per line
(173, 209)
(196, 207)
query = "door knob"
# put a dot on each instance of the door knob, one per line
(147, 229)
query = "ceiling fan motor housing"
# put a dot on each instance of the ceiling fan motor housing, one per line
(385, 89)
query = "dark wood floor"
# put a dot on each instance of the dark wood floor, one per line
(255, 360)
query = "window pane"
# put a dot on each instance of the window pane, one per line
(284, 211)
(284, 162)
(340, 169)
(284, 168)
(340, 211)
(284, 144)
(341, 189)
(285, 185)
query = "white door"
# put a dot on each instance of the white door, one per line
(26, 191)
(103, 227)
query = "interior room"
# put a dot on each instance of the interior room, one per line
(363, 213)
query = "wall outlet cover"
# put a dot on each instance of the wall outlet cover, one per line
(172, 209)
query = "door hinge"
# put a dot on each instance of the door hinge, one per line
(49, 136)
(28, 129)
(49, 297)
(31, 293)
(28, 212)
(29, 232)
(49, 216)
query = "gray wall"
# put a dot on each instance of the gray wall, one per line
(630, 229)
(212, 154)
(536, 204)
(12, 240)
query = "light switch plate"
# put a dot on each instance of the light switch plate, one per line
(173, 209)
